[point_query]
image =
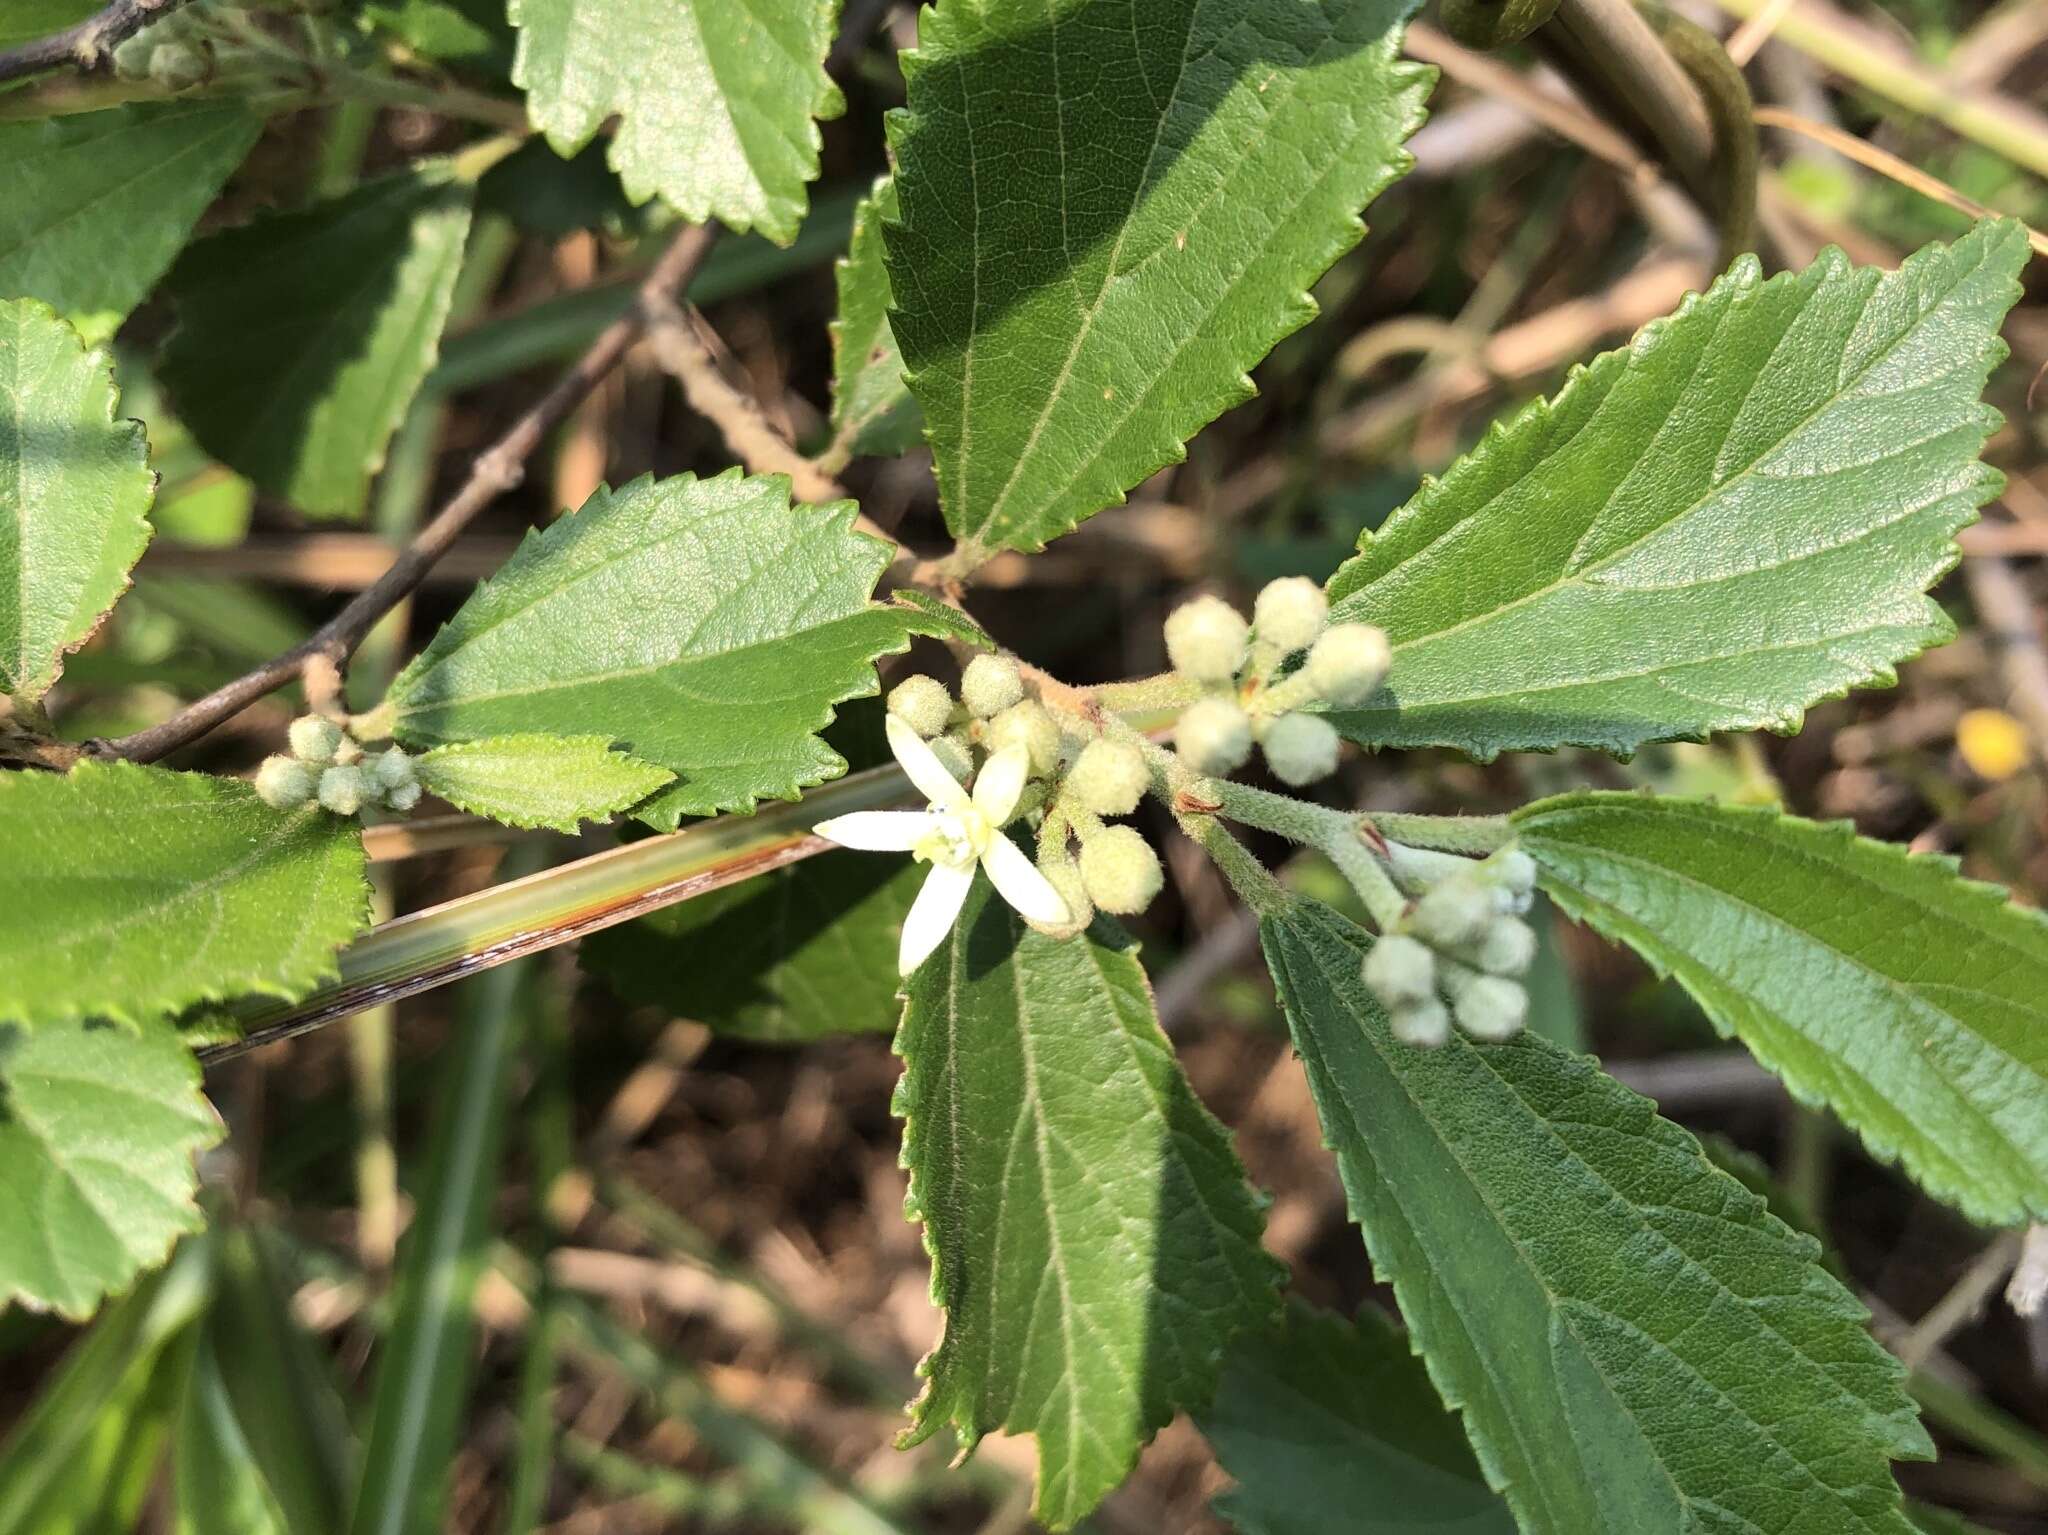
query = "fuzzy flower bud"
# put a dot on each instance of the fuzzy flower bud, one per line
(1514, 875)
(390, 770)
(1492, 1008)
(404, 797)
(1347, 663)
(1300, 748)
(1401, 971)
(1213, 736)
(953, 755)
(1066, 879)
(1426, 1025)
(922, 703)
(177, 66)
(284, 783)
(990, 685)
(343, 789)
(1120, 871)
(1453, 913)
(1109, 777)
(1029, 726)
(1207, 639)
(1290, 614)
(1506, 947)
(314, 739)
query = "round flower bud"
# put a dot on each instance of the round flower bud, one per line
(1514, 875)
(1492, 1008)
(1400, 970)
(1120, 871)
(1290, 614)
(1300, 748)
(391, 770)
(1347, 663)
(990, 685)
(1426, 1025)
(1453, 913)
(1066, 879)
(1206, 639)
(176, 66)
(314, 739)
(404, 797)
(1506, 947)
(1027, 725)
(284, 782)
(953, 755)
(922, 703)
(343, 789)
(1213, 736)
(1109, 777)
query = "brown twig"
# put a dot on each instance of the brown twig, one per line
(498, 470)
(673, 332)
(87, 45)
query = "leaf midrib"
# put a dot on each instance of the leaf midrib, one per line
(1579, 577)
(1454, 1151)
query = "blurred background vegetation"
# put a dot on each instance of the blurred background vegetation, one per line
(521, 1256)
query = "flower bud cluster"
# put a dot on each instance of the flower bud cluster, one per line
(1460, 951)
(328, 766)
(1085, 779)
(1209, 642)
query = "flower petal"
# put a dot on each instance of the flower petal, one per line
(924, 767)
(933, 914)
(876, 831)
(1018, 881)
(1001, 782)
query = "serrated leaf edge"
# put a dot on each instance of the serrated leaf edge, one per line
(923, 1425)
(1409, 85)
(1602, 919)
(1801, 1246)
(597, 810)
(1745, 280)
(101, 360)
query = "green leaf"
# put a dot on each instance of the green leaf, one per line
(1912, 1002)
(1729, 520)
(74, 495)
(1093, 1240)
(1111, 210)
(135, 892)
(218, 1488)
(873, 415)
(1634, 1341)
(280, 1381)
(30, 21)
(98, 1129)
(800, 954)
(1333, 1425)
(538, 780)
(707, 625)
(303, 336)
(83, 1454)
(94, 206)
(716, 100)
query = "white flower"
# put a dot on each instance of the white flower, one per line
(954, 833)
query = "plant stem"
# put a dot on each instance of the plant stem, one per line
(459, 938)
(1168, 690)
(86, 44)
(1472, 834)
